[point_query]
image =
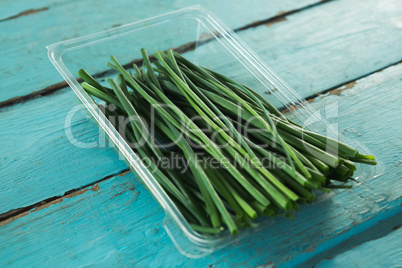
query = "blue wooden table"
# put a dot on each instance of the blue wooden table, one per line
(61, 205)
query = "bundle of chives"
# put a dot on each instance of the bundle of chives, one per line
(207, 115)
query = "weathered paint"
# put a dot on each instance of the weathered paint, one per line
(327, 45)
(41, 122)
(339, 45)
(39, 162)
(382, 252)
(256, 9)
(25, 176)
(372, 229)
(12, 9)
(24, 39)
(112, 224)
(119, 224)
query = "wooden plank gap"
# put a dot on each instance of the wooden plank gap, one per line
(25, 13)
(335, 90)
(376, 231)
(281, 17)
(15, 214)
(35, 94)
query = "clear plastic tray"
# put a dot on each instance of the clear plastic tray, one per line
(201, 37)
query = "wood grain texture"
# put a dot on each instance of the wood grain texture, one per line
(38, 161)
(24, 57)
(27, 176)
(116, 223)
(10, 9)
(116, 226)
(328, 45)
(256, 9)
(373, 229)
(340, 46)
(382, 252)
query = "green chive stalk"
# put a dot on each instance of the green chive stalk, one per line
(258, 174)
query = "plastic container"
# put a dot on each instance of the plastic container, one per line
(205, 40)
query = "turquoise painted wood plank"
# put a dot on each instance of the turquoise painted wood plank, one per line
(382, 252)
(282, 44)
(29, 181)
(13, 9)
(325, 46)
(24, 57)
(383, 224)
(115, 226)
(39, 161)
(256, 9)
(101, 249)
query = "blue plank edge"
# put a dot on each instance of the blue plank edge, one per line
(370, 224)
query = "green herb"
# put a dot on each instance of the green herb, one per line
(172, 107)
